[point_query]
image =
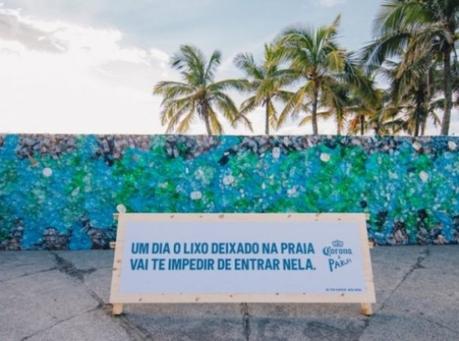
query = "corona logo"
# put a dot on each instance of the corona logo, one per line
(337, 243)
(336, 248)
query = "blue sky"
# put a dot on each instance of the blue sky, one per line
(224, 24)
(89, 65)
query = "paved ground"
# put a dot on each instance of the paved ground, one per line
(63, 295)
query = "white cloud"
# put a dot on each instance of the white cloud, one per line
(58, 77)
(81, 81)
(67, 78)
(14, 29)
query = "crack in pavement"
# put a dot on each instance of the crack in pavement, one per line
(134, 332)
(366, 322)
(70, 269)
(252, 325)
(418, 265)
(245, 320)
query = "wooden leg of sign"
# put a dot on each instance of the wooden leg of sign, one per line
(117, 309)
(366, 309)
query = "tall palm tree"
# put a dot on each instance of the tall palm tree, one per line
(316, 57)
(412, 89)
(409, 65)
(399, 108)
(336, 102)
(267, 83)
(360, 105)
(379, 115)
(199, 94)
(430, 24)
(343, 101)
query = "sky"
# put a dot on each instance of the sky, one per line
(89, 66)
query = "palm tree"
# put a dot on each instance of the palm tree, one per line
(336, 102)
(266, 81)
(198, 95)
(410, 74)
(432, 26)
(314, 56)
(379, 114)
(412, 90)
(400, 108)
(343, 101)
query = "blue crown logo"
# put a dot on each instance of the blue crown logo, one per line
(337, 243)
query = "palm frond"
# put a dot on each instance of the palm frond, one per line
(174, 110)
(212, 65)
(396, 15)
(172, 89)
(191, 62)
(230, 84)
(186, 122)
(227, 107)
(246, 62)
(245, 121)
(215, 124)
(388, 46)
(305, 120)
(174, 115)
(248, 105)
(272, 114)
(295, 104)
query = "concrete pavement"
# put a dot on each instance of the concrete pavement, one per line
(63, 296)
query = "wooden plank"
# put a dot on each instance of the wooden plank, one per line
(366, 309)
(117, 309)
(117, 261)
(368, 271)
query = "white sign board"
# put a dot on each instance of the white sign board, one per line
(242, 258)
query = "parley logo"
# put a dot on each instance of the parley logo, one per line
(338, 255)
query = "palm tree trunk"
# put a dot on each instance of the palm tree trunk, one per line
(205, 114)
(362, 125)
(315, 100)
(206, 119)
(339, 122)
(417, 113)
(448, 92)
(429, 92)
(267, 117)
(417, 123)
(378, 126)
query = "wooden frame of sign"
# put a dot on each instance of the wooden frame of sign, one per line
(365, 299)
